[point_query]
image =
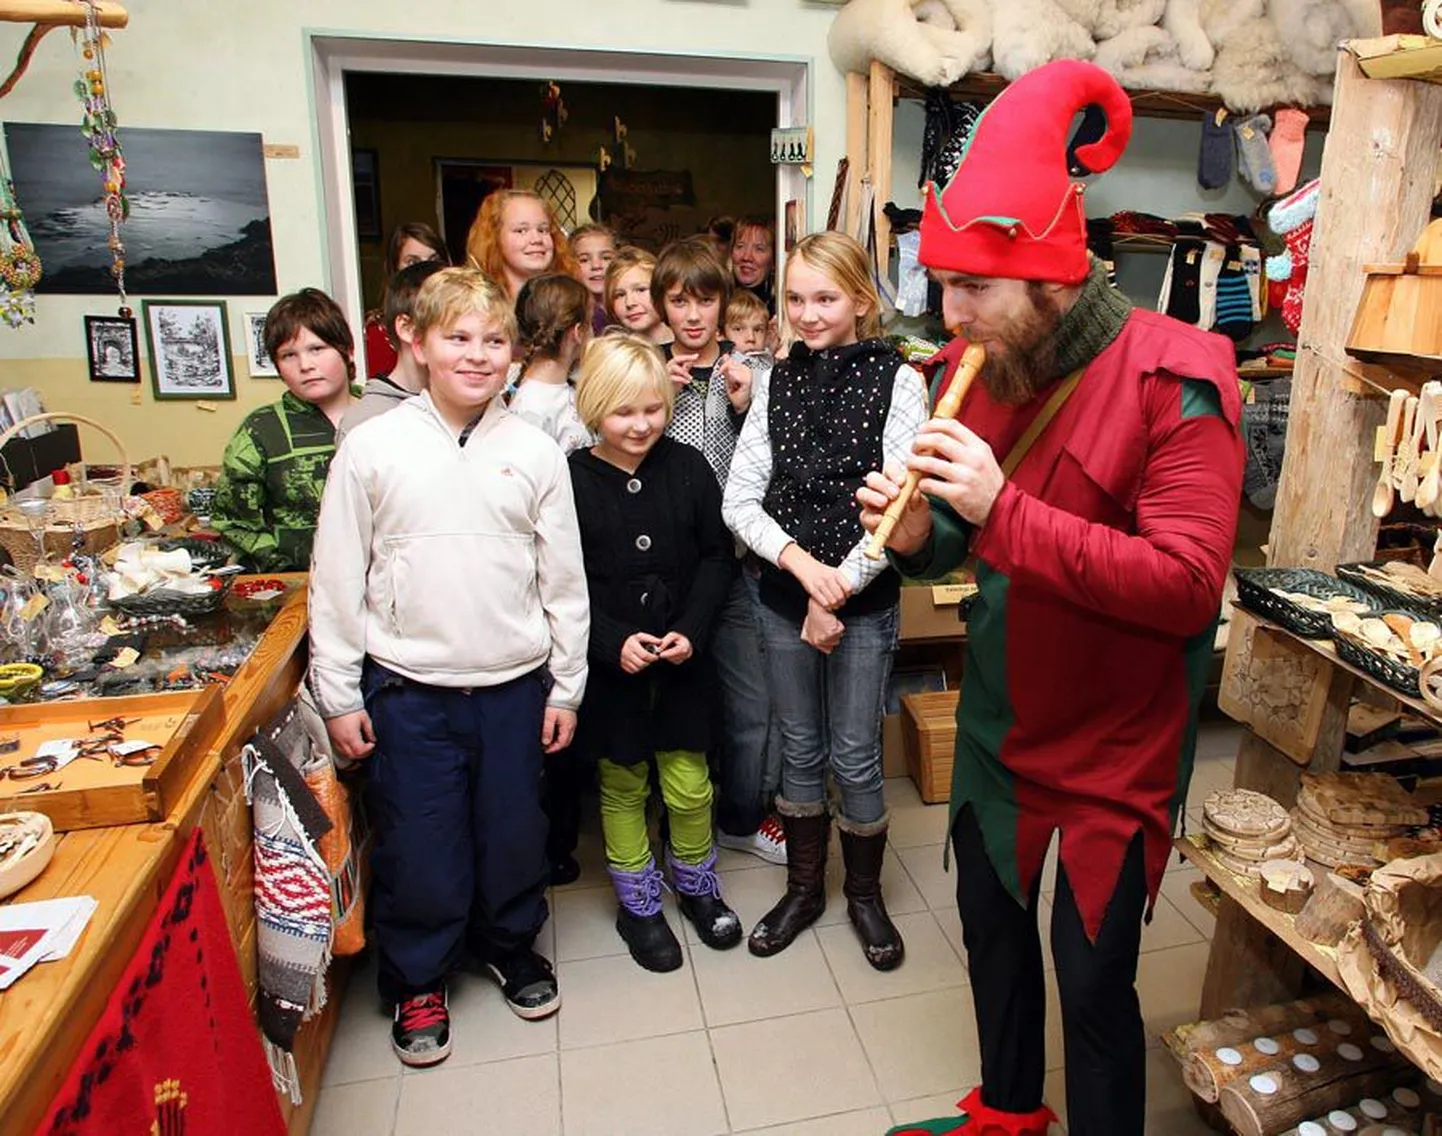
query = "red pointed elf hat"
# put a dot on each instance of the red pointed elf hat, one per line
(1011, 209)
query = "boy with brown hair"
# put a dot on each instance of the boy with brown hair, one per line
(747, 323)
(691, 288)
(449, 624)
(275, 463)
(408, 376)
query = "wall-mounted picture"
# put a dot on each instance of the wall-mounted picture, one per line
(199, 214)
(111, 346)
(189, 347)
(261, 364)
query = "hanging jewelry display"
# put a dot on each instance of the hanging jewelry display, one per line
(19, 266)
(99, 126)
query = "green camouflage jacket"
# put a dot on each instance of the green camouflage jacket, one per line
(271, 481)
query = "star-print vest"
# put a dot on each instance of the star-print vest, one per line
(826, 411)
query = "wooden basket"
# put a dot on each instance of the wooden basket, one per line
(928, 724)
(86, 513)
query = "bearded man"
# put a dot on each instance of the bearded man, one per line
(1094, 473)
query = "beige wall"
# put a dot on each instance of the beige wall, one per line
(200, 64)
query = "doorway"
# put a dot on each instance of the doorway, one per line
(337, 58)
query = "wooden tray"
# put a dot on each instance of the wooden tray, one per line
(95, 794)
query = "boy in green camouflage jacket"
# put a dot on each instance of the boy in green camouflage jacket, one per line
(276, 462)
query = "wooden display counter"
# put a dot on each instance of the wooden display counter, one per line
(46, 1016)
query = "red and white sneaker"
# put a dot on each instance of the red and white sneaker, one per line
(767, 843)
(421, 1033)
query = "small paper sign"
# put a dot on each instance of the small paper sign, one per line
(33, 607)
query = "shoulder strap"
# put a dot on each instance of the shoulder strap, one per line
(1041, 421)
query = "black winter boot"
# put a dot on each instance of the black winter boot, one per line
(805, 899)
(863, 852)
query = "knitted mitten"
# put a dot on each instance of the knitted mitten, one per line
(1292, 217)
(1256, 158)
(1214, 162)
(1289, 136)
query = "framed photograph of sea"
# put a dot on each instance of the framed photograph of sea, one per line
(199, 215)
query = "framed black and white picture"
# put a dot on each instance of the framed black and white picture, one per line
(112, 348)
(261, 364)
(189, 347)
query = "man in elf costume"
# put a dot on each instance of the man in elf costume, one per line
(1094, 472)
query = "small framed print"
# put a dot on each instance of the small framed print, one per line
(261, 364)
(113, 349)
(189, 346)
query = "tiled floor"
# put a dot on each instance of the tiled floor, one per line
(807, 1043)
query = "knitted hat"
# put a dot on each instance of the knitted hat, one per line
(1011, 209)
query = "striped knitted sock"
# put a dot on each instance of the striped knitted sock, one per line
(1234, 299)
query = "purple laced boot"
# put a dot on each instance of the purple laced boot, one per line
(640, 922)
(698, 889)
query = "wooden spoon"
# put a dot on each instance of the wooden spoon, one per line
(1431, 485)
(1386, 446)
(1404, 466)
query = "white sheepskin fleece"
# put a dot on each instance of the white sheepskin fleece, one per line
(929, 51)
(1029, 33)
(1147, 58)
(1311, 31)
(1254, 54)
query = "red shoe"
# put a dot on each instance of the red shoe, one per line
(978, 1119)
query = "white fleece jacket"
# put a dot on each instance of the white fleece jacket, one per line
(454, 565)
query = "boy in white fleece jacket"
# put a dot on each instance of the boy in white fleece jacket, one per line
(449, 624)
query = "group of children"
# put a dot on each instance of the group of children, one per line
(646, 554)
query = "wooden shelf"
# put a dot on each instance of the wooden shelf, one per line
(61, 13)
(983, 86)
(1244, 889)
(1328, 651)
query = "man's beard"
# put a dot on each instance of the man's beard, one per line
(1029, 362)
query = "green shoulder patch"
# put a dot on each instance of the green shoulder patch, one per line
(1200, 400)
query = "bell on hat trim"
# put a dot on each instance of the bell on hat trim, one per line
(1011, 208)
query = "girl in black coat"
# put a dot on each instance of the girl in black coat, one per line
(659, 562)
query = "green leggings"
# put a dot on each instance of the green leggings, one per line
(686, 789)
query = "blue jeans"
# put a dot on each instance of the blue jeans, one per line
(750, 743)
(830, 709)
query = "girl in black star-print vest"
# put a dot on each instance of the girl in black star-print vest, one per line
(841, 404)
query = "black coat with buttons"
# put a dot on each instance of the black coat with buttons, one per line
(659, 558)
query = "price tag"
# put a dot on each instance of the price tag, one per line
(1426, 463)
(125, 749)
(944, 595)
(125, 657)
(33, 607)
(1383, 445)
(62, 752)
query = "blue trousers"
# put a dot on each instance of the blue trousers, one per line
(459, 855)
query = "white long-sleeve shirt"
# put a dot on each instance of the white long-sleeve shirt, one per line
(751, 467)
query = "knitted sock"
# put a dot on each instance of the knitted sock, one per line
(1183, 300)
(1252, 270)
(1212, 258)
(1292, 217)
(1093, 126)
(1234, 298)
(1214, 162)
(1256, 158)
(1288, 137)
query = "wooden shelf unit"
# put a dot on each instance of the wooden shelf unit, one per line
(1243, 890)
(983, 86)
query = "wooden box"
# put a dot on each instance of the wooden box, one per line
(95, 792)
(929, 725)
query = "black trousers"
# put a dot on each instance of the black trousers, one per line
(454, 796)
(563, 786)
(1101, 1017)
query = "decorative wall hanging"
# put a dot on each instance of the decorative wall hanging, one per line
(19, 265)
(188, 342)
(195, 228)
(98, 126)
(553, 110)
(111, 347)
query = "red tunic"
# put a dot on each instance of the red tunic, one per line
(1101, 569)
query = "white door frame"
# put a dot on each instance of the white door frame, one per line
(332, 54)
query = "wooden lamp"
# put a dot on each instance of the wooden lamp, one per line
(1399, 319)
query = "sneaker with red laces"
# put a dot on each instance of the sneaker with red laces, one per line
(768, 842)
(421, 1033)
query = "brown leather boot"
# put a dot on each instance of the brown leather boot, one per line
(805, 898)
(863, 852)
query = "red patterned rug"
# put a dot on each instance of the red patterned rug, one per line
(177, 1052)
